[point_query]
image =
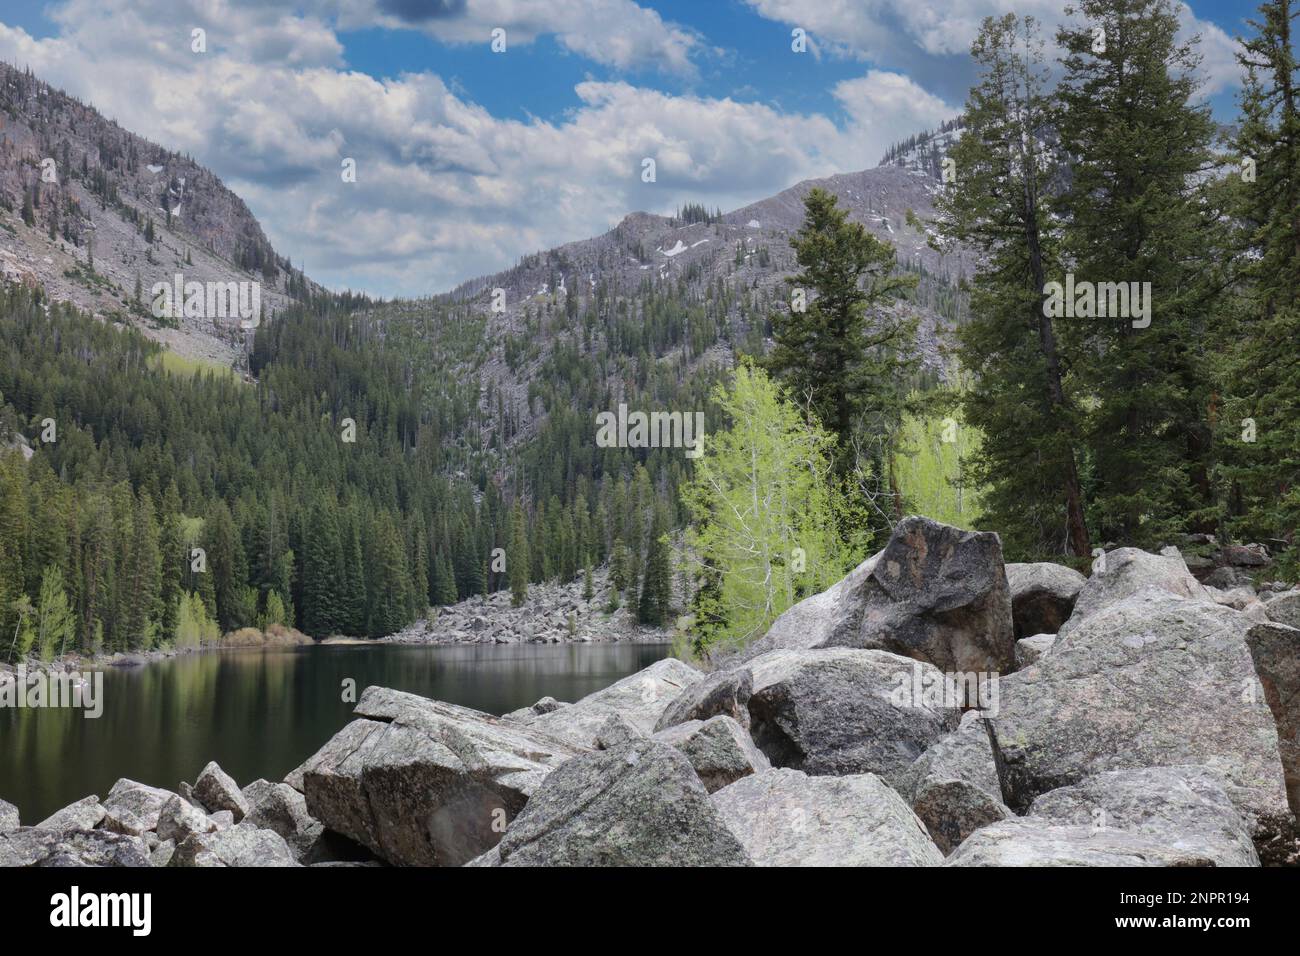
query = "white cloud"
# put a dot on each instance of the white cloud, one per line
(445, 190)
(907, 32)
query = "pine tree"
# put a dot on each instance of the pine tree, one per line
(1016, 398)
(657, 585)
(55, 620)
(518, 563)
(1259, 432)
(842, 352)
(1134, 213)
(322, 586)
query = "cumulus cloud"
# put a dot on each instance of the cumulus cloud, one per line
(445, 190)
(921, 34)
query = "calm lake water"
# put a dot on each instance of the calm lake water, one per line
(261, 713)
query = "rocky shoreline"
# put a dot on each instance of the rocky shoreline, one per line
(1157, 724)
(552, 614)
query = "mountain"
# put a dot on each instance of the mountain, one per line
(92, 213)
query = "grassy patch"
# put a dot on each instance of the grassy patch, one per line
(177, 364)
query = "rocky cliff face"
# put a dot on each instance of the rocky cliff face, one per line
(94, 213)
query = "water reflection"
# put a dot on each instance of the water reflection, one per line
(261, 713)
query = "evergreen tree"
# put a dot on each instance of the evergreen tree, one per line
(1135, 213)
(842, 352)
(657, 584)
(322, 584)
(518, 564)
(1016, 398)
(1259, 432)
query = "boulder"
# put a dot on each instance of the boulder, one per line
(842, 710)
(222, 819)
(641, 804)
(179, 818)
(615, 731)
(954, 787)
(1030, 649)
(720, 750)
(85, 814)
(1030, 841)
(162, 854)
(724, 692)
(420, 782)
(1275, 649)
(8, 817)
(70, 846)
(640, 698)
(935, 593)
(1183, 808)
(240, 845)
(544, 706)
(1151, 680)
(1042, 596)
(1124, 572)
(1237, 598)
(1227, 578)
(283, 809)
(217, 791)
(784, 817)
(1284, 608)
(133, 808)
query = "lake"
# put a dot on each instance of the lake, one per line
(261, 713)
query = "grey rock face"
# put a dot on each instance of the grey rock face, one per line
(85, 814)
(1030, 649)
(935, 593)
(222, 819)
(162, 854)
(938, 594)
(841, 710)
(1183, 808)
(420, 782)
(41, 846)
(1042, 596)
(720, 750)
(544, 706)
(240, 845)
(1124, 572)
(640, 698)
(1275, 649)
(1238, 598)
(217, 790)
(1227, 578)
(725, 692)
(954, 787)
(8, 817)
(1030, 841)
(637, 805)
(179, 818)
(615, 731)
(1284, 608)
(284, 810)
(785, 818)
(133, 808)
(1150, 680)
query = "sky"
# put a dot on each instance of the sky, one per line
(468, 158)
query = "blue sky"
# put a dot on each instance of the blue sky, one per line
(468, 159)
